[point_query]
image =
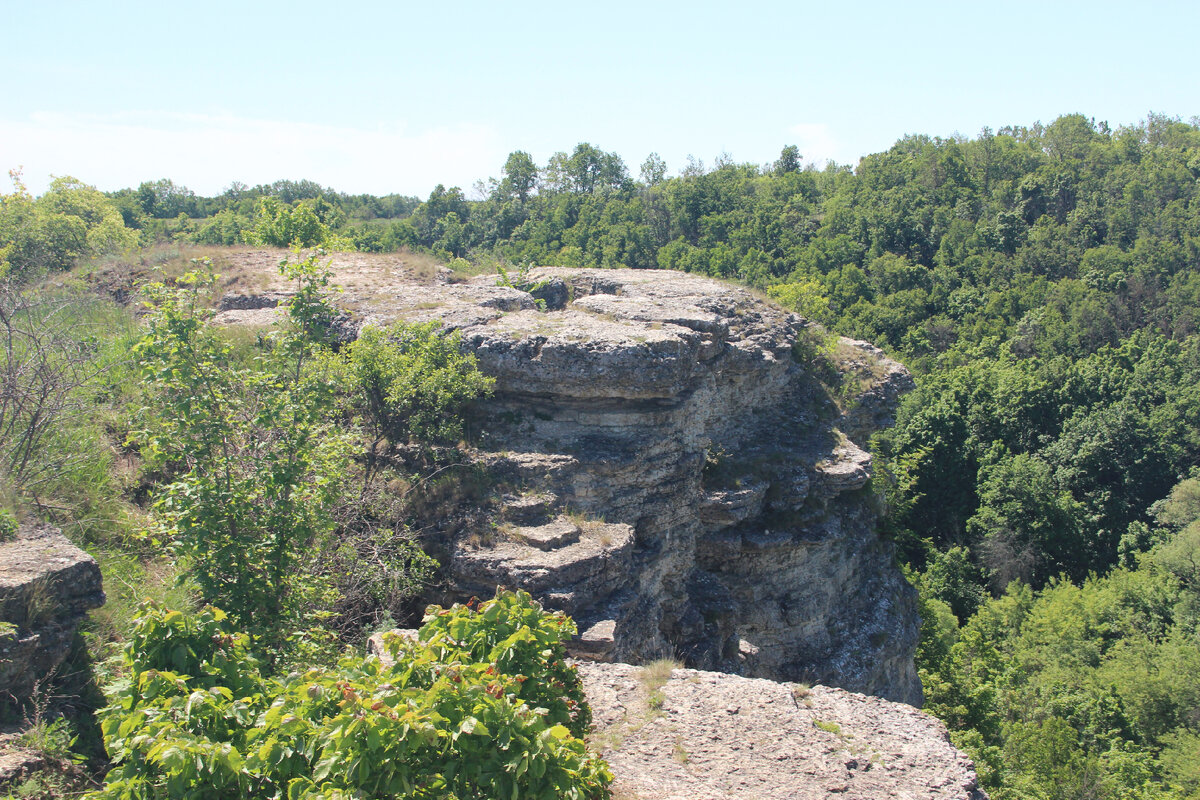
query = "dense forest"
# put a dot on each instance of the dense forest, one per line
(1042, 283)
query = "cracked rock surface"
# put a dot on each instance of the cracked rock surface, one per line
(712, 736)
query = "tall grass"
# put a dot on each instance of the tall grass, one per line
(76, 473)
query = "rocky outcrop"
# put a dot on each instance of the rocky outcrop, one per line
(691, 735)
(47, 585)
(668, 472)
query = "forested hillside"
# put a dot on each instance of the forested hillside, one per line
(1043, 283)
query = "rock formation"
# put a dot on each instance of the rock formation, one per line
(47, 585)
(668, 471)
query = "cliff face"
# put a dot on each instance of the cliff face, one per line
(671, 475)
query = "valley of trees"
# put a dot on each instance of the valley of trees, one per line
(1042, 283)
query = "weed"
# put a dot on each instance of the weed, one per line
(584, 522)
(8, 525)
(678, 752)
(129, 580)
(523, 281)
(424, 266)
(41, 605)
(43, 786)
(828, 727)
(655, 674)
(51, 738)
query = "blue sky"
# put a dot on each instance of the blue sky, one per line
(396, 97)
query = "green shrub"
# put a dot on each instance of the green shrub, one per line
(519, 638)
(412, 382)
(277, 224)
(196, 718)
(8, 525)
(49, 233)
(64, 358)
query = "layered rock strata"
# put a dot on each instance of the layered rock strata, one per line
(47, 585)
(669, 472)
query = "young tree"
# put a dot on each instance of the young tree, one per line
(654, 170)
(520, 176)
(257, 461)
(280, 225)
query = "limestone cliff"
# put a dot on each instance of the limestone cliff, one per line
(669, 472)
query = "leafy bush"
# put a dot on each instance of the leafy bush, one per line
(60, 350)
(196, 718)
(521, 280)
(70, 221)
(514, 633)
(8, 525)
(414, 382)
(280, 225)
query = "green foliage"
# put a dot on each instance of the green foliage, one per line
(807, 298)
(513, 633)
(413, 382)
(1043, 466)
(522, 281)
(50, 738)
(952, 578)
(1080, 690)
(196, 717)
(258, 464)
(69, 222)
(63, 362)
(279, 225)
(8, 525)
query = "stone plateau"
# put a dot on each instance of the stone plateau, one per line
(667, 470)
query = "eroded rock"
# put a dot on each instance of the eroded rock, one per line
(728, 517)
(47, 585)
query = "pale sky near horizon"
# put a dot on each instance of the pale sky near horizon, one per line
(384, 97)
